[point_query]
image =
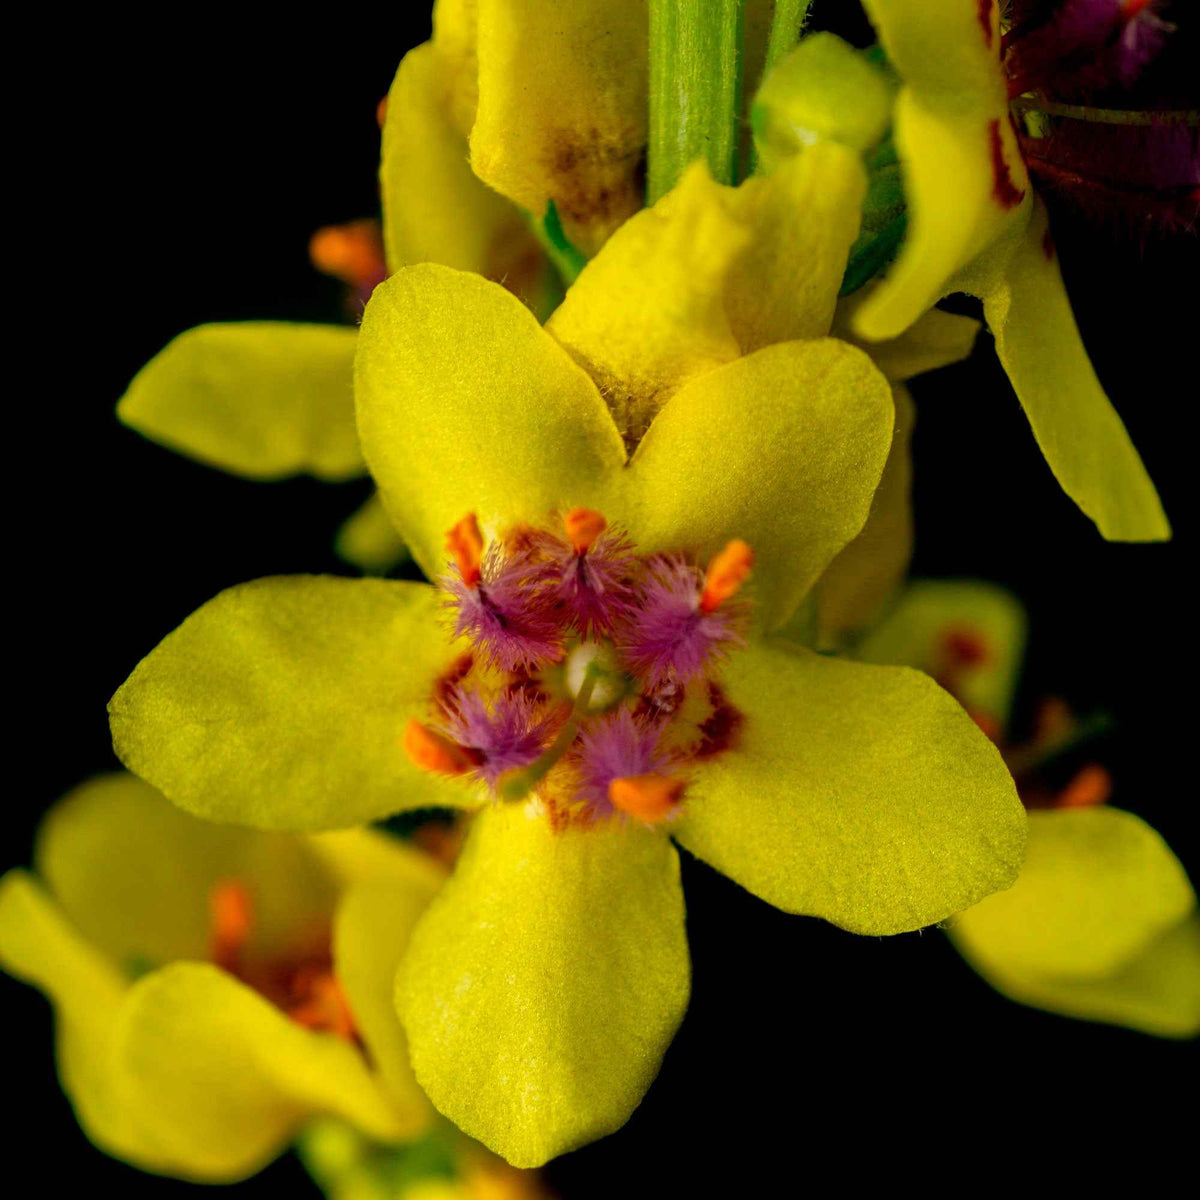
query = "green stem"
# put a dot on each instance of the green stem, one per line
(518, 786)
(786, 22)
(695, 89)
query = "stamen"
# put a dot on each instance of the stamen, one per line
(324, 1007)
(232, 914)
(584, 526)
(431, 751)
(1091, 785)
(726, 574)
(464, 543)
(518, 785)
(352, 253)
(650, 798)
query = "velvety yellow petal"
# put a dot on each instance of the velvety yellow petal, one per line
(934, 340)
(368, 539)
(1098, 886)
(929, 611)
(134, 874)
(1075, 424)
(456, 37)
(1157, 991)
(648, 313)
(262, 399)
(467, 405)
(39, 945)
(355, 857)
(562, 109)
(859, 584)
(803, 219)
(1101, 925)
(860, 794)
(373, 928)
(227, 1079)
(544, 983)
(435, 208)
(783, 448)
(280, 704)
(964, 179)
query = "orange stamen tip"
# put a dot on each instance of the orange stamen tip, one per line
(726, 574)
(431, 751)
(464, 543)
(232, 915)
(1092, 785)
(584, 526)
(352, 252)
(381, 112)
(650, 797)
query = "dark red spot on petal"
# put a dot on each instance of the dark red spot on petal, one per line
(983, 9)
(1006, 193)
(719, 731)
(448, 681)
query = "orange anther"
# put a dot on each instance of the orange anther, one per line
(465, 543)
(322, 1006)
(1092, 785)
(648, 797)
(726, 573)
(584, 526)
(231, 912)
(381, 112)
(431, 751)
(352, 252)
(1131, 8)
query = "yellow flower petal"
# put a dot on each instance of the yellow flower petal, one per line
(860, 794)
(134, 875)
(39, 945)
(562, 109)
(262, 399)
(708, 273)
(648, 313)
(858, 585)
(783, 448)
(913, 636)
(934, 340)
(964, 179)
(467, 405)
(1100, 925)
(280, 703)
(435, 208)
(374, 924)
(227, 1079)
(1075, 424)
(1097, 887)
(368, 539)
(545, 982)
(803, 219)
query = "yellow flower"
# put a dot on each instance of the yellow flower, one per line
(687, 391)
(202, 1014)
(975, 225)
(1102, 923)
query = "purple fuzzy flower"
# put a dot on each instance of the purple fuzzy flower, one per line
(509, 612)
(616, 746)
(670, 639)
(593, 586)
(508, 732)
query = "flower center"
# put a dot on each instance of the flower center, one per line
(591, 680)
(301, 985)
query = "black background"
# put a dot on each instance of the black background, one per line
(178, 177)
